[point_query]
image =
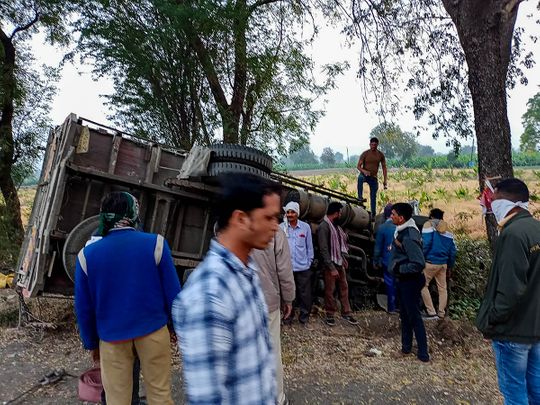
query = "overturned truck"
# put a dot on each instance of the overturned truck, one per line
(84, 161)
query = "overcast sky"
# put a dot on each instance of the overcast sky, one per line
(346, 123)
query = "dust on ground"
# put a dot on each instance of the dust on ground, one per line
(345, 364)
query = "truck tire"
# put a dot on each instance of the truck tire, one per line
(75, 241)
(218, 168)
(226, 152)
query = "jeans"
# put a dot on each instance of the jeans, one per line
(408, 290)
(518, 371)
(373, 187)
(390, 291)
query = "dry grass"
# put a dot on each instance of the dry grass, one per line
(455, 191)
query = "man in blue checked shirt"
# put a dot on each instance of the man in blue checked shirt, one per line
(221, 316)
(301, 247)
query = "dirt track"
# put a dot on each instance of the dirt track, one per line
(323, 365)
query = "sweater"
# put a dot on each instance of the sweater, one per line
(123, 294)
(407, 257)
(275, 272)
(438, 244)
(510, 310)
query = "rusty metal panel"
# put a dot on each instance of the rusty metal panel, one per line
(131, 160)
(99, 151)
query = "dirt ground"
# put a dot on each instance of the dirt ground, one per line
(323, 365)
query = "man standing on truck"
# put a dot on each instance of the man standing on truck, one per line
(368, 167)
(301, 247)
(333, 246)
(510, 310)
(407, 265)
(125, 284)
(277, 281)
(440, 253)
(220, 315)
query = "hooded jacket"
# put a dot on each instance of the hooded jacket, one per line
(438, 244)
(407, 257)
(510, 310)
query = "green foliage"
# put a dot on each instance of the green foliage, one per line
(302, 156)
(460, 227)
(530, 139)
(393, 142)
(327, 157)
(463, 193)
(469, 277)
(189, 71)
(9, 247)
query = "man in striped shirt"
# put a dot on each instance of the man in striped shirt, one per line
(221, 316)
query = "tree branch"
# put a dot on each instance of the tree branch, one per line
(260, 3)
(26, 26)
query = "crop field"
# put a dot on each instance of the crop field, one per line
(455, 191)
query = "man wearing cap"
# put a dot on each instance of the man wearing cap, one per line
(301, 247)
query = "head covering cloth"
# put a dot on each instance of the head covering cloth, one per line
(129, 218)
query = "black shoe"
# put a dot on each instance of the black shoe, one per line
(288, 321)
(428, 317)
(349, 318)
(330, 321)
(303, 318)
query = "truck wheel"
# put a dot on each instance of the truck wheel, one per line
(226, 152)
(218, 168)
(75, 241)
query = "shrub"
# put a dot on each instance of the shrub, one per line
(469, 277)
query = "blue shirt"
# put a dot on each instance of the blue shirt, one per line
(300, 245)
(123, 294)
(221, 320)
(383, 243)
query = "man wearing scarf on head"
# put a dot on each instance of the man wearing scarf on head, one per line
(125, 283)
(332, 246)
(510, 310)
(301, 255)
(407, 265)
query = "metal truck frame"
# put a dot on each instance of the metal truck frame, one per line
(84, 161)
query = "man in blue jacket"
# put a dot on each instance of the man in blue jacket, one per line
(440, 253)
(125, 284)
(407, 264)
(383, 253)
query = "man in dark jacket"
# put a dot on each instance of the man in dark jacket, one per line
(407, 265)
(510, 311)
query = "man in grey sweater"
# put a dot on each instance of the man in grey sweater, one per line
(277, 282)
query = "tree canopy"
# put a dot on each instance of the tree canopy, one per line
(393, 142)
(24, 94)
(198, 72)
(530, 138)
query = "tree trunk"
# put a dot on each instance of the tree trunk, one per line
(9, 191)
(485, 29)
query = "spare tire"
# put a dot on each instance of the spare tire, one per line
(227, 152)
(218, 168)
(75, 241)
